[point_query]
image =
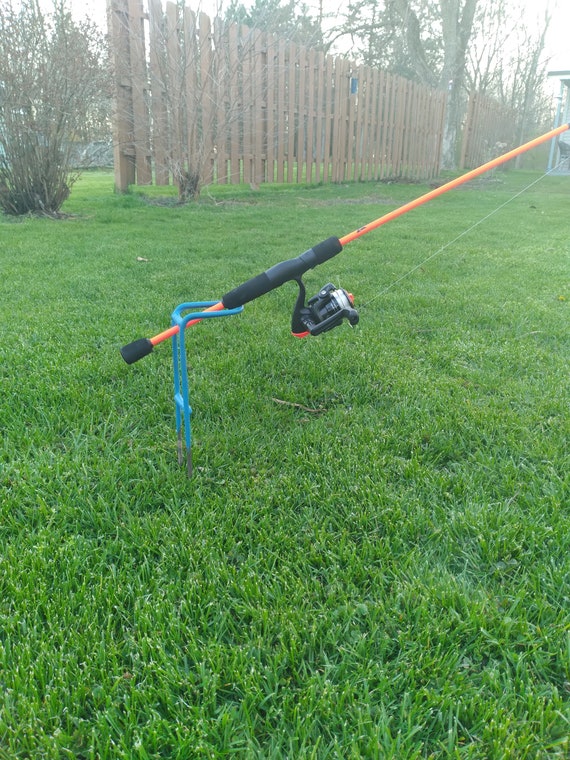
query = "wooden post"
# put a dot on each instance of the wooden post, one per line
(281, 134)
(221, 84)
(301, 111)
(139, 90)
(328, 123)
(123, 138)
(158, 88)
(259, 60)
(291, 110)
(206, 149)
(191, 87)
(271, 52)
(235, 105)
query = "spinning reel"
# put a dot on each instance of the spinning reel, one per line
(323, 312)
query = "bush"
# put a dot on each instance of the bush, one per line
(53, 94)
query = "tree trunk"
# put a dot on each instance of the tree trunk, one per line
(457, 24)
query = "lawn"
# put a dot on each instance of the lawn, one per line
(377, 568)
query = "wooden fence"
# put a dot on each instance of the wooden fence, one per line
(200, 102)
(489, 131)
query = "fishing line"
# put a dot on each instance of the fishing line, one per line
(447, 245)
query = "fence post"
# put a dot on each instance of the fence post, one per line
(123, 138)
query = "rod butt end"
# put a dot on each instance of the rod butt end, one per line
(134, 351)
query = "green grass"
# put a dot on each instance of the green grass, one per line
(384, 577)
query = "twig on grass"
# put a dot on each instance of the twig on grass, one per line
(298, 406)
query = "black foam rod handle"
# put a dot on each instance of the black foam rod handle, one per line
(283, 272)
(134, 351)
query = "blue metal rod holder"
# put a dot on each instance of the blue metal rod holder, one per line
(181, 315)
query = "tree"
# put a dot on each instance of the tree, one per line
(423, 40)
(506, 61)
(456, 45)
(284, 18)
(457, 26)
(52, 85)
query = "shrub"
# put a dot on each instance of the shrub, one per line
(53, 86)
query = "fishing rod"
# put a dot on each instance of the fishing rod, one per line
(328, 309)
(331, 305)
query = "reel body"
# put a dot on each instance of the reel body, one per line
(328, 309)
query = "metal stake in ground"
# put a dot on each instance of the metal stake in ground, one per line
(181, 317)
